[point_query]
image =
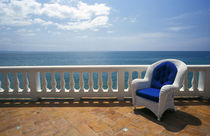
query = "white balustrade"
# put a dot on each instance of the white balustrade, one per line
(200, 83)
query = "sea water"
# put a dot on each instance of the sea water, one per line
(95, 58)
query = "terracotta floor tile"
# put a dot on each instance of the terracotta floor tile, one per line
(76, 120)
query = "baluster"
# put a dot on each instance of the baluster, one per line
(7, 82)
(44, 82)
(194, 81)
(139, 74)
(185, 86)
(100, 83)
(81, 82)
(16, 82)
(62, 82)
(110, 82)
(53, 82)
(71, 82)
(90, 81)
(25, 82)
(1, 90)
(129, 81)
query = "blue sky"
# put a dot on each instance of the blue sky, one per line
(104, 25)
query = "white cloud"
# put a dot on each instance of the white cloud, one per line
(90, 24)
(110, 32)
(42, 22)
(185, 15)
(129, 19)
(154, 35)
(79, 16)
(179, 28)
(16, 13)
(25, 32)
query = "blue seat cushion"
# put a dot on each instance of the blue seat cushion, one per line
(163, 74)
(149, 93)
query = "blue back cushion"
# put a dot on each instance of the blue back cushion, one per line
(163, 74)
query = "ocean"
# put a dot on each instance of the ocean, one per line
(100, 58)
(8, 58)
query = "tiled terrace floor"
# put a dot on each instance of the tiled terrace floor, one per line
(101, 118)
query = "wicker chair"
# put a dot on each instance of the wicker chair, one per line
(156, 90)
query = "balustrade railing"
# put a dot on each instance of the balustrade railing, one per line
(80, 81)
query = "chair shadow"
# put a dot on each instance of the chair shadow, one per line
(173, 121)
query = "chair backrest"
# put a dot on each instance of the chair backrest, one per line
(180, 66)
(163, 74)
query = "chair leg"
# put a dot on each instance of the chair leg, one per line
(158, 118)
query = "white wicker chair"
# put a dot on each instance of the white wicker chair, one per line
(165, 100)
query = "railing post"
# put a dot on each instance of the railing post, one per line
(1, 89)
(34, 79)
(206, 78)
(120, 85)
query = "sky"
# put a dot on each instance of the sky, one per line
(104, 25)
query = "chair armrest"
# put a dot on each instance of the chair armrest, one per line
(140, 84)
(168, 88)
(167, 91)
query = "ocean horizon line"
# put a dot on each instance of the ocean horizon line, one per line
(2, 51)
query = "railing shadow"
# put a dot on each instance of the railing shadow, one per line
(113, 102)
(173, 121)
(191, 101)
(66, 103)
